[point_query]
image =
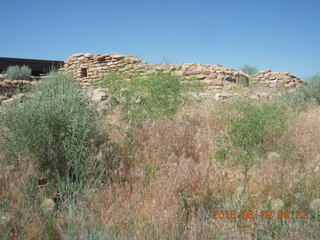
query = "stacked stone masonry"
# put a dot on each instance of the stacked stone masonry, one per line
(277, 79)
(90, 68)
(9, 86)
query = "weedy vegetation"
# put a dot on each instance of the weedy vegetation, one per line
(154, 96)
(18, 72)
(54, 126)
(157, 164)
(252, 129)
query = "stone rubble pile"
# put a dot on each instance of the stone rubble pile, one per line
(213, 76)
(277, 79)
(8, 86)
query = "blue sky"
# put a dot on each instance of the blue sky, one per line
(282, 35)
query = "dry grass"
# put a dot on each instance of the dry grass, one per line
(175, 183)
(175, 177)
(172, 155)
(306, 132)
(16, 205)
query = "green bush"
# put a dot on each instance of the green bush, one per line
(157, 95)
(251, 128)
(254, 125)
(53, 127)
(18, 72)
(249, 69)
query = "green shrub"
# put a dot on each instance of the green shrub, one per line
(18, 72)
(157, 95)
(251, 128)
(249, 69)
(254, 125)
(53, 127)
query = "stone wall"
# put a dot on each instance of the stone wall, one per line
(9, 86)
(277, 79)
(89, 68)
(213, 76)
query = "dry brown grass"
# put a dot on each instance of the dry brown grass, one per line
(306, 132)
(175, 183)
(15, 204)
(177, 154)
(180, 154)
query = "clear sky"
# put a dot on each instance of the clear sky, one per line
(282, 35)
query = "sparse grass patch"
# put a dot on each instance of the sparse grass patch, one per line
(78, 225)
(309, 92)
(312, 89)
